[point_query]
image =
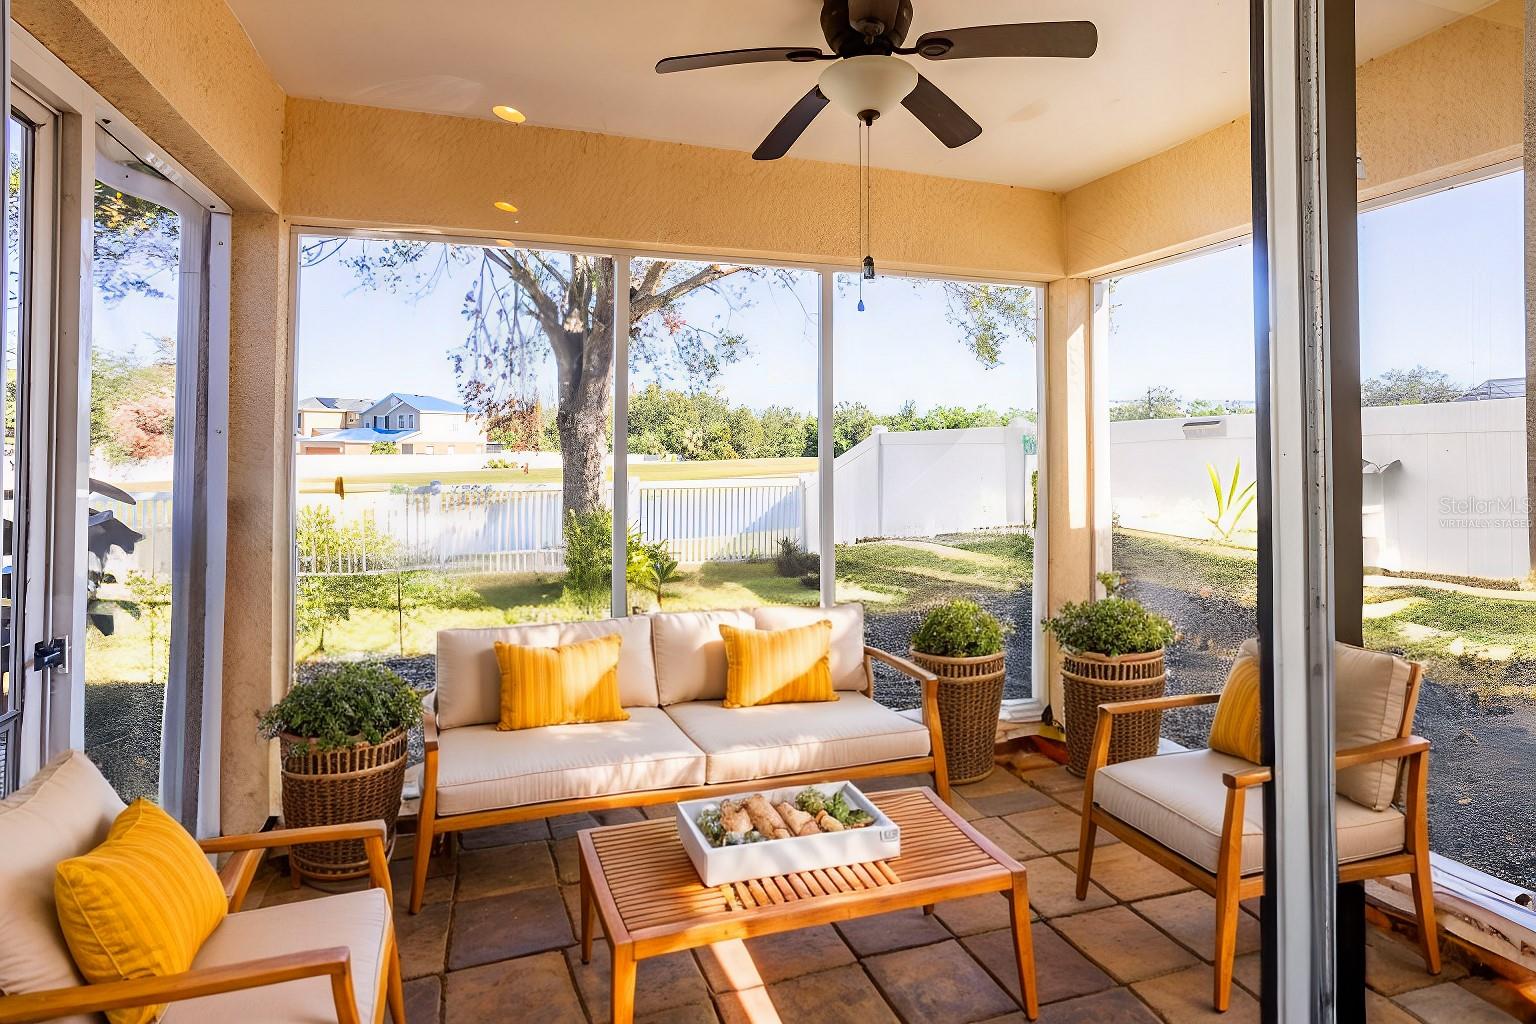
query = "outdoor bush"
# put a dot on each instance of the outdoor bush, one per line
(793, 560)
(1111, 626)
(959, 629)
(342, 705)
(589, 559)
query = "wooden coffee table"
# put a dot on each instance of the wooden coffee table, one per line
(639, 878)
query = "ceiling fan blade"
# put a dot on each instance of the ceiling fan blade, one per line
(942, 115)
(791, 125)
(725, 58)
(1036, 39)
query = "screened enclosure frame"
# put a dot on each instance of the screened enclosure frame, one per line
(1026, 710)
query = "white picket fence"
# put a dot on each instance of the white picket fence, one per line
(518, 527)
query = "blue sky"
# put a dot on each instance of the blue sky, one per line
(1441, 285)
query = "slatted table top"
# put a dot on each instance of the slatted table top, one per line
(647, 890)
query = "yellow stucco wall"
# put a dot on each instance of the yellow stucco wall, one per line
(186, 74)
(343, 166)
(1443, 104)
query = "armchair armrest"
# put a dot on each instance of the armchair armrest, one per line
(237, 874)
(363, 830)
(1177, 700)
(1384, 750)
(429, 722)
(372, 833)
(334, 962)
(1247, 778)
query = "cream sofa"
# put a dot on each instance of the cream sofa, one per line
(325, 960)
(679, 742)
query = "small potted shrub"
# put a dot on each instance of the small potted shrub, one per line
(962, 644)
(1112, 649)
(343, 738)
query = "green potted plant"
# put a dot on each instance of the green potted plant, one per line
(343, 751)
(962, 643)
(1112, 649)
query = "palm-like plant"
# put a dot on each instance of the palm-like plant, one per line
(1231, 503)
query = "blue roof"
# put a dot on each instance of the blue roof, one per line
(426, 403)
(360, 435)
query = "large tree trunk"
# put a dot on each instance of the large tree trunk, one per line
(585, 363)
(583, 445)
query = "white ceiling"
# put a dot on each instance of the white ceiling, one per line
(1166, 70)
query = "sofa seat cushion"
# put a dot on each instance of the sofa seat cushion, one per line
(66, 809)
(1179, 800)
(479, 768)
(358, 920)
(742, 744)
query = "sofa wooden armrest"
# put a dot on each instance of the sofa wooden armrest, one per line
(372, 833)
(335, 963)
(930, 683)
(1387, 750)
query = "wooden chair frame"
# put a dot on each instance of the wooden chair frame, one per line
(429, 825)
(247, 853)
(1228, 884)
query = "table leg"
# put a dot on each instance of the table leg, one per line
(586, 914)
(623, 983)
(1024, 943)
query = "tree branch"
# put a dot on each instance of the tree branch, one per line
(644, 305)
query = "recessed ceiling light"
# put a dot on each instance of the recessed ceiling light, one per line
(505, 207)
(507, 113)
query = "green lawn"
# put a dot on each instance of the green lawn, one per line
(1225, 569)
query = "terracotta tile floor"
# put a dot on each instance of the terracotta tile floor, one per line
(496, 940)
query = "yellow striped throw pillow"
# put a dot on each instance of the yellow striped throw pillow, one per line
(139, 905)
(568, 685)
(1236, 728)
(777, 666)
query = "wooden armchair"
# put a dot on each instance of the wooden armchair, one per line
(1188, 811)
(240, 957)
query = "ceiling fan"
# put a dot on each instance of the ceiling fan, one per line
(869, 76)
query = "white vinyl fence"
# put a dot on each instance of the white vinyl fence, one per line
(1443, 487)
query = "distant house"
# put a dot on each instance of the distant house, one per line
(1497, 387)
(418, 424)
(322, 415)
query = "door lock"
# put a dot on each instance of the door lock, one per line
(51, 654)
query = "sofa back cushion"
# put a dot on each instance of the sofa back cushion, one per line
(1371, 703)
(849, 669)
(469, 680)
(65, 810)
(690, 656)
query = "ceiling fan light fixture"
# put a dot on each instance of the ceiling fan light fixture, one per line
(871, 84)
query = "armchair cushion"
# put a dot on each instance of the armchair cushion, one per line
(65, 810)
(742, 744)
(358, 920)
(139, 905)
(1370, 701)
(481, 769)
(1180, 800)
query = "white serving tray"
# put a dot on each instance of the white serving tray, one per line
(721, 865)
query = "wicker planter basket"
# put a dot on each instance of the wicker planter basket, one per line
(970, 700)
(360, 783)
(1093, 679)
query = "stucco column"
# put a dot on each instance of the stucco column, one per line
(257, 607)
(1069, 458)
